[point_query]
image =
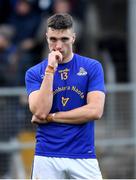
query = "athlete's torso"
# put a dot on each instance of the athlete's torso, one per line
(72, 82)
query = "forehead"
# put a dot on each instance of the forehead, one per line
(59, 32)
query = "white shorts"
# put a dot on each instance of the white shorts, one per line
(65, 168)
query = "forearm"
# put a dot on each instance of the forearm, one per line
(45, 97)
(92, 111)
(76, 116)
(40, 102)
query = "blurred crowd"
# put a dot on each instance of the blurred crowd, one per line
(100, 28)
(22, 34)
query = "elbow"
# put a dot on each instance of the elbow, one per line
(98, 115)
(41, 116)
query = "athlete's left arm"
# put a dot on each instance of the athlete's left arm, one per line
(93, 110)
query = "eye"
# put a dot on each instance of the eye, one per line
(65, 39)
(52, 39)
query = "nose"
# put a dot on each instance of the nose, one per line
(58, 45)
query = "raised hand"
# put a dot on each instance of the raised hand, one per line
(54, 58)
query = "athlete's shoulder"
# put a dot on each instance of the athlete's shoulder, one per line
(36, 71)
(86, 60)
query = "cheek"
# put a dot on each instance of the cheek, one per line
(69, 47)
(51, 46)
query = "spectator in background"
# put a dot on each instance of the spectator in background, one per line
(44, 6)
(7, 57)
(25, 20)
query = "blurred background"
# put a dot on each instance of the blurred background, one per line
(105, 31)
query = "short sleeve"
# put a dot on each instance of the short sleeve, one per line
(96, 78)
(32, 82)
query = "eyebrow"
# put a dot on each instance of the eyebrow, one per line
(52, 38)
(62, 38)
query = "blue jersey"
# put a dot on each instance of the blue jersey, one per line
(72, 82)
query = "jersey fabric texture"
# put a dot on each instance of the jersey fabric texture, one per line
(72, 82)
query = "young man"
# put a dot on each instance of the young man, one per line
(66, 96)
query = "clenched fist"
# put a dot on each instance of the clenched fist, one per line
(54, 58)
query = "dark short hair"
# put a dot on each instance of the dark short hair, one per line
(60, 21)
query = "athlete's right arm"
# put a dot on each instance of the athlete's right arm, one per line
(40, 101)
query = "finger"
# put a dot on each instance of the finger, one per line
(59, 57)
(37, 121)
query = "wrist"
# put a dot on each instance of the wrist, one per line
(50, 69)
(49, 73)
(50, 117)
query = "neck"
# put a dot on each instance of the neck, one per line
(67, 59)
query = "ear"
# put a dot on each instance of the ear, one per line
(74, 38)
(46, 36)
